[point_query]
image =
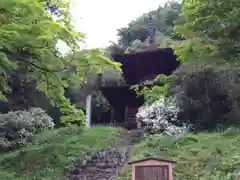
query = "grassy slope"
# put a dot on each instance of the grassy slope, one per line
(204, 156)
(53, 151)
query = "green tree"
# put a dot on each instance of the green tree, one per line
(210, 29)
(207, 84)
(29, 33)
(207, 95)
(134, 37)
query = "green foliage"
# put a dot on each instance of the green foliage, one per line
(17, 128)
(207, 95)
(208, 156)
(52, 152)
(100, 101)
(100, 105)
(134, 37)
(152, 93)
(210, 29)
(28, 39)
(111, 77)
(7, 176)
(93, 61)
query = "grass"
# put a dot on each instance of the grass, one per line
(53, 151)
(203, 156)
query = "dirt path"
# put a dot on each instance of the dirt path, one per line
(105, 164)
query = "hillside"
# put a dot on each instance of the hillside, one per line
(51, 153)
(203, 156)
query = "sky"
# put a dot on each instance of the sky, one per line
(100, 19)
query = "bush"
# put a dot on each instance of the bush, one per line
(160, 117)
(151, 93)
(41, 120)
(207, 94)
(17, 127)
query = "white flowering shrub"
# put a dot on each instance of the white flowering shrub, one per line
(41, 120)
(160, 117)
(17, 127)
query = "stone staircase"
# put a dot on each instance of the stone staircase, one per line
(105, 164)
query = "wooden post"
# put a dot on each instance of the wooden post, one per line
(112, 115)
(89, 110)
(126, 115)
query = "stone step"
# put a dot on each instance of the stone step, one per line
(93, 170)
(105, 164)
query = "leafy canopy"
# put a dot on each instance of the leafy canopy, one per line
(207, 84)
(210, 29)
(134, 37)
(29, 33)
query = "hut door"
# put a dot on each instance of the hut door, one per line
(151, 173)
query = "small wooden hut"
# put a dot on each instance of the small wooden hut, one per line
(152, 168)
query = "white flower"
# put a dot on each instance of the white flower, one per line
(160, 117)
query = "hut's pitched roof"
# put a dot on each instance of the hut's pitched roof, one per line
(151, 158)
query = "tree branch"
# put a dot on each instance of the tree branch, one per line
(22, 59)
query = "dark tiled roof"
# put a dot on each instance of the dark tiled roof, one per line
(138, 65)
